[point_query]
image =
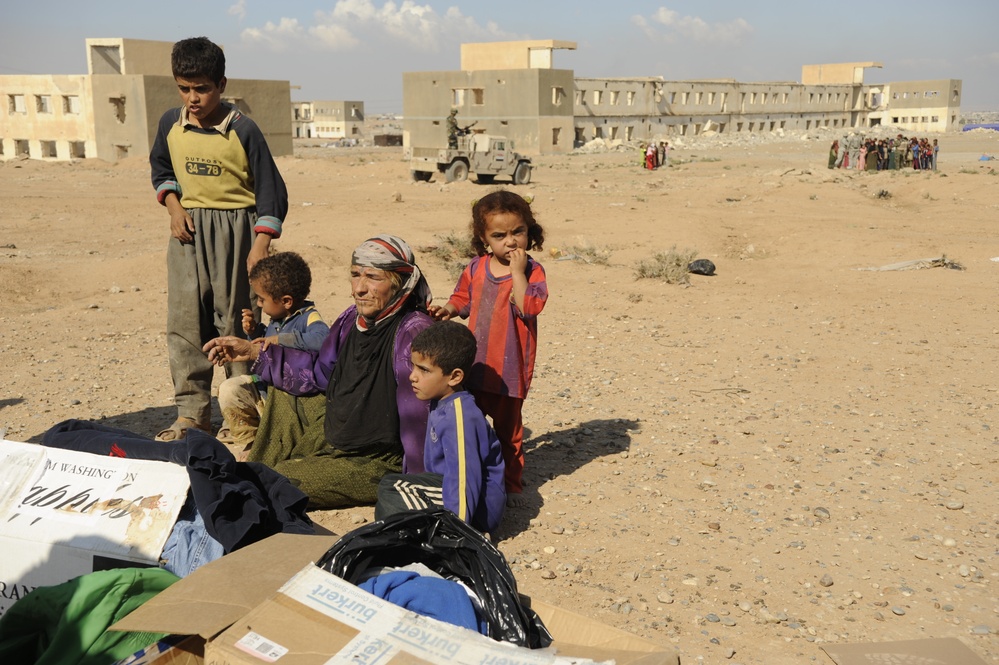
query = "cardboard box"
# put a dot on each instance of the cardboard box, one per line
(65, 513)
(267, 603)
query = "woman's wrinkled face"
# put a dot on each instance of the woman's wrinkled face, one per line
(372, 290)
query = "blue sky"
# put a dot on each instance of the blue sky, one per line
(358, 49)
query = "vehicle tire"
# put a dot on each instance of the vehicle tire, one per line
(457, 172)
(522, 174)
(421, 176)
(485, 178)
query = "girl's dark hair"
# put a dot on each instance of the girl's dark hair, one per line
(196, 57)
(504, 201)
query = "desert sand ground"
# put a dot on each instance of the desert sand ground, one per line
(794, 452)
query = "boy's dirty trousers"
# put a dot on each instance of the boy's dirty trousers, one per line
(207, 289)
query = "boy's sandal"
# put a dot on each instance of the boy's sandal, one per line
(178, 430)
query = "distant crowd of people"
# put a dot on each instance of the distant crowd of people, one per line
(856, 152)
(655, 154)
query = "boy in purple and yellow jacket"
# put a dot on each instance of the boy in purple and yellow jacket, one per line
(462, 455)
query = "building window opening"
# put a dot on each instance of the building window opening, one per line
(683, 97)
(15, 104)
(43, 104)
(631, 98)
(457, 96)
(711, 98)
(935, 118)
(477, 96)
(629, 133)
(672, 98)
(21, 148)
(556, 132)
(118, 108)
(614, 97)
(956, 95)
(120, 151)
(48, 148)
(598, 132)
(355, 130)
(698, 97)
(738, 126)
(504, 123)
(580, 97)
(598, 96)
(557, 95)
(875, 122)
(752, 98)
(613, 133)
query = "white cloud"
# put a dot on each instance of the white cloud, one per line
(668, 25)
(353, 22)
(238, 9)
(276, 36)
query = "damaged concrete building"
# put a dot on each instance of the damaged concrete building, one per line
(112, 111)
(513, 89)
(327, 120)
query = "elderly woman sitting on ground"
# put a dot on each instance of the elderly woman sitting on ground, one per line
(338, 420)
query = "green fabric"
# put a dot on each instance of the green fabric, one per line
(290, 440)
(67, 624)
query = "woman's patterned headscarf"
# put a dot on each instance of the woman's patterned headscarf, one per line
(392, 254)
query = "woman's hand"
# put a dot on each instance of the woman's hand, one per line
(222, 350)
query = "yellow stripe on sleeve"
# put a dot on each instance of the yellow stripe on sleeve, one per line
(462, 478)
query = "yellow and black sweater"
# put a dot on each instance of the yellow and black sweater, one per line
(227, 167)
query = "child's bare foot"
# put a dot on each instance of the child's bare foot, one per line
(515, 500)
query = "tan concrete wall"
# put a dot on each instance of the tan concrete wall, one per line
(59, 123)
(922, 106)
(120, 116)
(337, 119)
(643, 109)
(268, 103)
(837, 73)
(516, 103)
(510, 55)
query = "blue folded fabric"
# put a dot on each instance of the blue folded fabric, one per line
(433, 597)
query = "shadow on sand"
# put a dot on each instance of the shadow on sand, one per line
(146, 422)
(559, 453)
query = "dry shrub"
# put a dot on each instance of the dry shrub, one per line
(584, 252)
(669, 266)
(454, 251)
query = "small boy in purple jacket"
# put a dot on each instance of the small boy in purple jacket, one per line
(462, 456)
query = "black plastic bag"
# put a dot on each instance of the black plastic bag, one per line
(701, 267)
(442, 542)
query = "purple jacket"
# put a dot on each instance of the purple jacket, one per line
(302, 373)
